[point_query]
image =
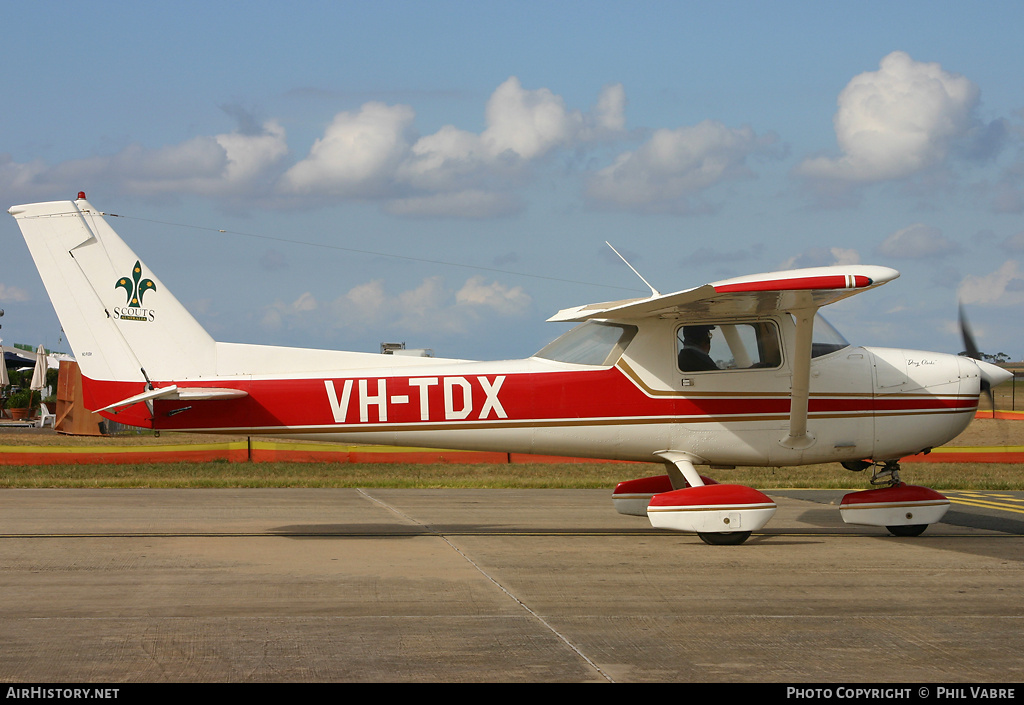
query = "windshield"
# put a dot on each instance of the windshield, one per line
(592, 343)
(826, 338)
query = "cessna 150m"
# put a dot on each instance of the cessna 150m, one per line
(739, 372)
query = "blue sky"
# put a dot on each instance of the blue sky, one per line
(446, 173)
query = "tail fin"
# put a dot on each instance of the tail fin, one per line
(121, 321)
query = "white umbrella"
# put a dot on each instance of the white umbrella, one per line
(4, 379)
(39, 372)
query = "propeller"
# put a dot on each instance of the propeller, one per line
(972, 352)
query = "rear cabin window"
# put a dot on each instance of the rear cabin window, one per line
(728, 346)
(593, 343)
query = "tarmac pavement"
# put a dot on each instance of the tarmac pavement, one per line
(316, 585)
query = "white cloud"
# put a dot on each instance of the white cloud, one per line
(430, 307)
(1003, 287)
(845, 256)
(609, 114)
(507, 301)
(675, 165)
(251, 156)
(897, 121)
(358, 154)
(527, 123)
(281, 315)
(23, 180)
(372, 153)
(918, 241)
(821, 257)
(12, 293)
(227, 164)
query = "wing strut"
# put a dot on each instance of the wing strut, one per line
(800, 387)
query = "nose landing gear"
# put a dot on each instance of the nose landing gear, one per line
(904, 510)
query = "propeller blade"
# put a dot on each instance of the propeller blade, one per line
(972, 352)
(965, 332)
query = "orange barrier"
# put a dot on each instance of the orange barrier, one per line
(1000, 414)
(259, 452)
(976, 454)
(280, 452)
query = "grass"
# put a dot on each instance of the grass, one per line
(220, 474)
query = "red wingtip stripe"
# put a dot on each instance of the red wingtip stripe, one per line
(833, 281)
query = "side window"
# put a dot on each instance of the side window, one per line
(728, 346)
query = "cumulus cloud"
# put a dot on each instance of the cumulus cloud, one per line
(28, 179)
(821, 257)
(358, 154)
(507, 301)
(1003, 287)
(457, 172)
(12, 293)
(374, 153)
(225, 164)
(674, 166)
(281, 315)
(228, 164)
(918, 241)
(429, 307)
(527, 123)
(897, 121)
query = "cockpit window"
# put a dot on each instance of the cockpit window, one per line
(826, 339)
(593, 343)
(728, 346)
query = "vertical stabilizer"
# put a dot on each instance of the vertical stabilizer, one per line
(118, 316)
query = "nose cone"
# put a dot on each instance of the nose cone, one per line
(992, 375)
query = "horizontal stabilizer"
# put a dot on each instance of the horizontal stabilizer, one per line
(176, 393)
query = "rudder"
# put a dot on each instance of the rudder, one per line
(121, 321)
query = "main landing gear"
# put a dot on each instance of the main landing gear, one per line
(721, 515)
(726, 515)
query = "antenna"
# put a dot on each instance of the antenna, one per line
(654, 292)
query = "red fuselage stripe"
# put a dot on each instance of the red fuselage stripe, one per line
(437, 401)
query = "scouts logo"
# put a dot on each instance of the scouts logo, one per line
(135, 288)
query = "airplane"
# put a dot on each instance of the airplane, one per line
(740, 372)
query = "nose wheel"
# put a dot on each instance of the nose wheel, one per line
(904, 510)
(908, 530)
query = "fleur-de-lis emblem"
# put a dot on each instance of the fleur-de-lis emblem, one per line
(135, 289)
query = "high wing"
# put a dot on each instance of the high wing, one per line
(756, 294)
(800, 292)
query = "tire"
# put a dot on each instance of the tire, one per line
(907, 530)
(728, 538)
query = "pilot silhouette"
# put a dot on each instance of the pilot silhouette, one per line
(694, 355)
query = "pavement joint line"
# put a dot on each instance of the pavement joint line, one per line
(768, 534)
(493, 581)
